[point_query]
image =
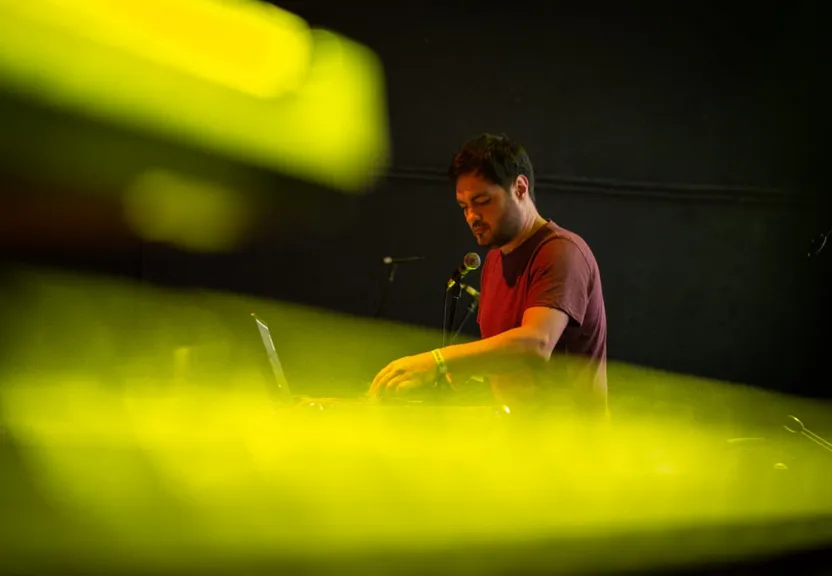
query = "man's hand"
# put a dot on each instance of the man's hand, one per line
(405, 373)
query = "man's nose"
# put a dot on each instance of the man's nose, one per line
(471, 216)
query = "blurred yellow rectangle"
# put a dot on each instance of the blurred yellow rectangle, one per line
(251, 47)
(240, 78)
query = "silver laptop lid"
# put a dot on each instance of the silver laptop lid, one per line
(282, 392)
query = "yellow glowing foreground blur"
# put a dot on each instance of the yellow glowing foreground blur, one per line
(168, 472)
(238, 77)
(248, 46)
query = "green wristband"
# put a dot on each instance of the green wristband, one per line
(441, 367)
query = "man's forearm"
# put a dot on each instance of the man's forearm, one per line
(506, 352)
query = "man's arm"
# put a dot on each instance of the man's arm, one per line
(529, 345)
(557, 295)
(558, 292)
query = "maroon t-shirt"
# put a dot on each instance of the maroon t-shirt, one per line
(554, 268)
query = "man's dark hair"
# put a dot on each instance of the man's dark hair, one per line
(495, 158)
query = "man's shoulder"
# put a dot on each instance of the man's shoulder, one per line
(559, 242)
(560, 233)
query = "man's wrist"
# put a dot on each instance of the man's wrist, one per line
(441, 366)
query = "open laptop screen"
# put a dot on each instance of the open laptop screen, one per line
(282, 391)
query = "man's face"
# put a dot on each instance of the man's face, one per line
(492, 213)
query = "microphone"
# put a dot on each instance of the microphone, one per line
(795, 426)
(401, 259)
(470, 263)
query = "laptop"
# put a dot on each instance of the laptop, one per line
(280, 386)
(282, 392)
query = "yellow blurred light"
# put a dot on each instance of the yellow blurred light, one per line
(166, 207)
(232, 77)
(248, 46)
(160, 467)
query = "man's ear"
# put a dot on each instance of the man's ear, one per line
(521, 187)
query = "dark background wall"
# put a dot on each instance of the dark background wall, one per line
(676, 140)
(679, 141)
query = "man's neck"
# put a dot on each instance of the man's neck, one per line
(534, 223)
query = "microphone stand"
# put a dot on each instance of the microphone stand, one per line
(472, 307)
(385, 293)
(441, 386)
(456, 291)
(393, 262)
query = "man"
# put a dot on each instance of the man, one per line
(540, 293)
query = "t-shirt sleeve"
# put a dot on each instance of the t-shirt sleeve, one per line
(560, 278)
